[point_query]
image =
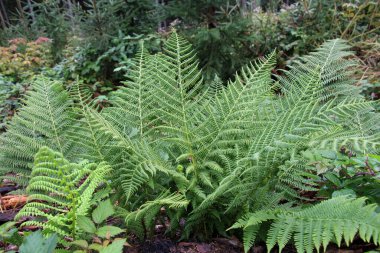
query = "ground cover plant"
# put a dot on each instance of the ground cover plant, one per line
(246, 157)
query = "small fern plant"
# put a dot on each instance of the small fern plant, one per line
(60, 191)
(333, 220)
(143, 219)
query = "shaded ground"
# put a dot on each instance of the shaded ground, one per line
(166, 246)
(11, 204)
(223, 245)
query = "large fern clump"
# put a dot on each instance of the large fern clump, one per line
(222, 151)
(59, 192)
(235, 148)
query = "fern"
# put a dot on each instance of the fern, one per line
(302, 118)
(231, 149)
(63, 188)
(139, 161)
(89, 141)
(334, 70)
(227, 149)
(177, 96)
(43, 121)
(294, 177)
(171, 121)
(132, 103)
(143, 218)
(332, 220)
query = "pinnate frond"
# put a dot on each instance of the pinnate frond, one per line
(334, 220)
(59, 191)
(44, 120)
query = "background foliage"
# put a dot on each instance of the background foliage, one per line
(226, 34)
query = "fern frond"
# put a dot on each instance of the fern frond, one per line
(132, 104)
(59, 191)
(176, 96)
(139, 167)
(332, 220)
(43, 121)
(233, 105)
(293, 178)
(309, 113)
(90, 142)
(335, 70)
(143, 218)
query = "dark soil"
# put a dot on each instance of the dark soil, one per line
(167, 246)
(224, 245)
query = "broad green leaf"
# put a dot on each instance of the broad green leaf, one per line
(109, 231)
(328, 154)
(116, 247)
(37, 243)
(80, 243)
(86, 224)
(344, 192)
(333, 179)
(96, 247)
(103, 211)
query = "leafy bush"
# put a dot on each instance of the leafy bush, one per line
(96, 226)
(22, 58)
(228, 37)
(227, 34)
(346, 173)
(10, 94)
(98, 67)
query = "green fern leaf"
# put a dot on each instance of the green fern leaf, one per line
(43, 121)
(63, 188)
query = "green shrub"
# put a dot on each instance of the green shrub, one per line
(345, 173)
(21, 59)
(10, 95)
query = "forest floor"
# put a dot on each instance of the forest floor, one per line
(159, 243)
(224, 245)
